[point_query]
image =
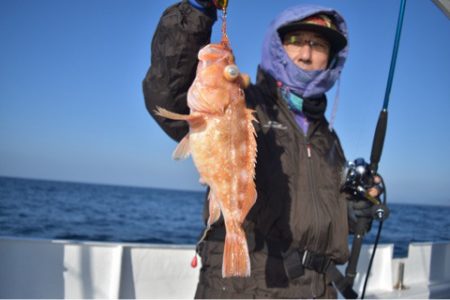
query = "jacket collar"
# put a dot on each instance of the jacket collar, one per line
(314, 107)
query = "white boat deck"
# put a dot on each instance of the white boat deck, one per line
(33, 268)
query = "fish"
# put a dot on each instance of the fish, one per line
(222, 143)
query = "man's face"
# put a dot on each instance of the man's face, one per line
(308, 50)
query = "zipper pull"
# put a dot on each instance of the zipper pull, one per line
(308, 150)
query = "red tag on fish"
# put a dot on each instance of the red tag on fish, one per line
(194, 262)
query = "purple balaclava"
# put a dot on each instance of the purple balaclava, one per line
(276, 62)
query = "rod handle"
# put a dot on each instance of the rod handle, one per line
(378, 140)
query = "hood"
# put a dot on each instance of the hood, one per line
(276, 62)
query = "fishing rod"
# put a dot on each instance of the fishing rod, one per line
(360, 175)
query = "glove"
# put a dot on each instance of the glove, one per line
(362, 205)
(377, 187)
(359, 209)
(364, 189)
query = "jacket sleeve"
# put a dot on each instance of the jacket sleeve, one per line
(181, 32)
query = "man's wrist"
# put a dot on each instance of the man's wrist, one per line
(205, 6)
(198, 5)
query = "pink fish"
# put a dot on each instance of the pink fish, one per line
(222, 142)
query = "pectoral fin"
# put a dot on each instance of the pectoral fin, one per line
(171, 115)
(196, 120)
(183, 150)
(214, 208)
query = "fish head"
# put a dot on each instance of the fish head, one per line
(218, 80)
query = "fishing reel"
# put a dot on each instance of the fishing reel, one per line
(358, 179)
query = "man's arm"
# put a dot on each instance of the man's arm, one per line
(181, 32)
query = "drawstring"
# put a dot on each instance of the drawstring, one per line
(335, 105)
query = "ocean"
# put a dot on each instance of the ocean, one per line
(65, 210)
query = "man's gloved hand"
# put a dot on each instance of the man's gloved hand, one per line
(361, 205)
(377, 188)
(359, 210)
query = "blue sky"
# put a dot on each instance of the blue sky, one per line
(71, 105)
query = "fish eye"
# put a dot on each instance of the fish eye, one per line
(231, 72)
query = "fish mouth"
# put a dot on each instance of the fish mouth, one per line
(215, 52)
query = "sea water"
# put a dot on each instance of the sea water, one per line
(65, 210)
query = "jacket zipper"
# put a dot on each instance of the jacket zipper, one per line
(306, 136)
(316, 229)
(311, 181)
(312, 187)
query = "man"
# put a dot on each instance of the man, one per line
(300, 216)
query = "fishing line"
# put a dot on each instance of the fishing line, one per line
(375, 245)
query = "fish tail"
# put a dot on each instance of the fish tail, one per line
(236, 259)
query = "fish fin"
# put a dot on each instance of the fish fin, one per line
(236, 259)
(250, 200)
(248, 188)
(196, 120)
(214, 208)
(183, 150)
(171, 115)
(251, 115)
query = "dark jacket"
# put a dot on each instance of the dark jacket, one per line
(299, 205)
